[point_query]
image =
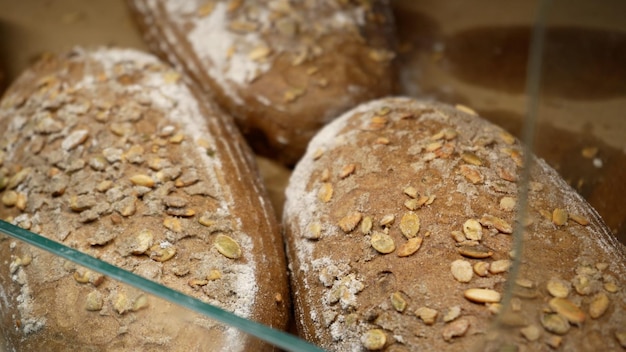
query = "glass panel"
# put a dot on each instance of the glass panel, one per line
(110, 304)
(582, 127)
(562, 91)
(475, 54)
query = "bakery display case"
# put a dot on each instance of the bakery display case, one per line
(551, 73)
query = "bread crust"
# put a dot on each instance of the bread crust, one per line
(115, 156)
(430, 176)
(282, 69)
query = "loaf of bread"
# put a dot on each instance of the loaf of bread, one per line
(108, 152)
(399, 223)
(282, 68)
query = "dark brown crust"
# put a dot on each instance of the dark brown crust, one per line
(124, 106)
(342, 286)
(279, 127)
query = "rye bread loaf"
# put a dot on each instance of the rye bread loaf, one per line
(401, 209)
(108, 152)
(282, 68)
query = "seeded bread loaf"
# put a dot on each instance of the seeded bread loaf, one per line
(282, 68)
(108, 152)
(398, 223)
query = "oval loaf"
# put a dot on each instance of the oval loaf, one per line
(398, 224)
(108, 152)
(282, 68)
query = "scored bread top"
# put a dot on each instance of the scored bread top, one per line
(282, 68)
(401, 209)
(108, 151)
